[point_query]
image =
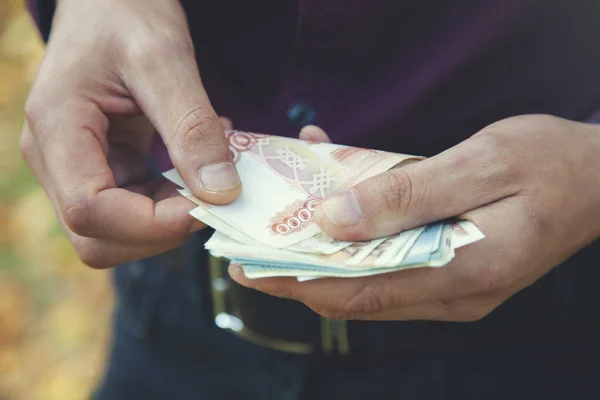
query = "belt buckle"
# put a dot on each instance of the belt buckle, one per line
(334, 333)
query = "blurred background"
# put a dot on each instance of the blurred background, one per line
(54, 312)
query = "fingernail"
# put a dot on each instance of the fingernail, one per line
(219, 177)
(343, 209)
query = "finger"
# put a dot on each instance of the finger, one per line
(180, 110)
(484, 267)
(123, 215)
(466, 309)
(431, 311)
(106, 253)
(460, 179)
(369, 298)
(226, 123)
(101, 254)
(96, 253)
(314, 134)
(370, 294)
(84, 187)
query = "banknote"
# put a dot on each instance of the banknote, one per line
(427, 243)
(433, 247)
(464, 233)
(284, 179)
(399, 245)
(222, 245)
(395, 249)
(321, 243)
(270, 231)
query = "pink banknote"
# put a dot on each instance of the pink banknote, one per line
(283, 180)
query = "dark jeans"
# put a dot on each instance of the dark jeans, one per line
(165, 346)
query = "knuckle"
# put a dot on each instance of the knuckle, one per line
(490, 146)
(78, 217)
(200, 125)
(34, 108)
(368, 300)
(490, 142)
(497, 158)
(89, 253)
(395, 190)
(365, 302)
(27, 146)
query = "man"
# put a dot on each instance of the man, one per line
(456, 81)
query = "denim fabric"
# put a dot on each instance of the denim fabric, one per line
(166, 347)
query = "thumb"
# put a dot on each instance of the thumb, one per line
(171, 94)
(458, 180)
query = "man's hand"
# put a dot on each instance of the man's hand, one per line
(530, 183)
(115, 72)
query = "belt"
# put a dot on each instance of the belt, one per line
(280, 324)
(289, 326)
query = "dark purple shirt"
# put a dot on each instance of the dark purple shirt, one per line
(414, 77)
(407, 76)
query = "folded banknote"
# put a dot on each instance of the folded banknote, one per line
(270, 231)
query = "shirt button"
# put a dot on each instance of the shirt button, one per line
(301, 114)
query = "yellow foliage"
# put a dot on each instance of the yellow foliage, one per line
(54, 312)
(14, 297)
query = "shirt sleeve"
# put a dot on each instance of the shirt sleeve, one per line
(42, 12)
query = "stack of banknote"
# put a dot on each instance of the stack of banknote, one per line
(270, 231)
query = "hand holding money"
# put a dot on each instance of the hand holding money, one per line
(97, 103)
(530, 183)
(270, 229)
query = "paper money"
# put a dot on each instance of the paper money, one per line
(269, 229)
(433, 248)
(321, 243)
(284, 179)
